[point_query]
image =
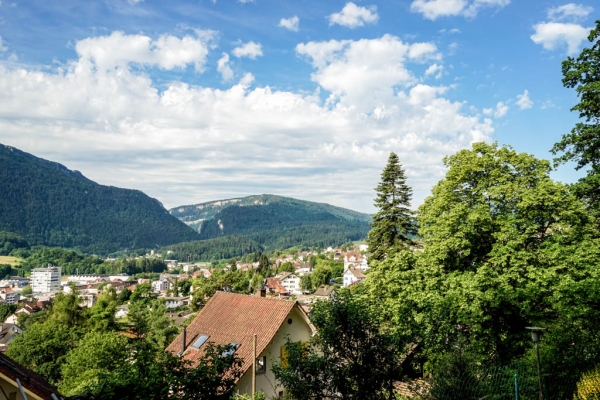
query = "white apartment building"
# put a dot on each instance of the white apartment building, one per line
(159, 286)
(45, 280)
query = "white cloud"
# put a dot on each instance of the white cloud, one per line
(436, 70)
(187, 143)
(523, 100)
(364, 73)
(433, 9)
(501, 110)
(553, 35)
(572, 12)
(291, 24)
(3, 47)
(250, 50)
(166, 52)
(563, 30)
(224, 69)
(246, 1)
(353, 16)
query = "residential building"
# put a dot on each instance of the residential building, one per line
(45, 280)
(290, 281)
(323, 293)
(352, 276)
(275, 287)
(31, 384)
(87, 278)
(160, 286)
(172, 303)
(8, 332)
(230, 318)
(355, 259)
(9, 297)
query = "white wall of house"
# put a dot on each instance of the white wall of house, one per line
(297, 331)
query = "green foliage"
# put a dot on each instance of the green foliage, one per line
(48, 204)
(43, 348)
(582, 145)
(350, 357)
(286, 267)
(306, 283)
(393, 224)
(97, 353)
(10, 242)
(157, 376)
(6, 310)
(504, 247)
(214, 249)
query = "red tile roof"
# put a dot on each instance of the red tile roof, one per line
(29, 379)
(275, 285)
(235, 318)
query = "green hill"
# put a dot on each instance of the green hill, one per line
(48, 204)
(275, 221)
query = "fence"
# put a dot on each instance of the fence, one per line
(518, 381)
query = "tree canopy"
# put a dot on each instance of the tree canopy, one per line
(582, 144)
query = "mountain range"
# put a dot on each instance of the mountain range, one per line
(48, 204)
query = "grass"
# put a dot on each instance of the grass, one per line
(13, 261)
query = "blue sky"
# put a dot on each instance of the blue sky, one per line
(192, 101)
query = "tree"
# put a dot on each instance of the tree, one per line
(286, 267)
(504, 247)
(162, 375)
(96, 353)
(264, 266)
(582, 145)
(352, 356)
(27, 291)
(393, 225)
(43, 348)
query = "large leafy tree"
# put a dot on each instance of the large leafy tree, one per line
(393, 224)
(352, 356)
(504, 246)
(582, 145)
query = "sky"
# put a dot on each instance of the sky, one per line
(193, 101)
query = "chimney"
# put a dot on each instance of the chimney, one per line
(184, 340)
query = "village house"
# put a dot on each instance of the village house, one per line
(323, 292)
(356, 260)
(273, 286)
(172, 303)
(8, 332)
(289, 281)
(352, 276)
(230, 318)
(31, 384)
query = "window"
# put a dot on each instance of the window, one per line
(199, 342)
(232, 347)
(261, 365)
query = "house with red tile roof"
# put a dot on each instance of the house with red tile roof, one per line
(230, 318)
(15, 380)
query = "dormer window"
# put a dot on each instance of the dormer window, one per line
(231, 348)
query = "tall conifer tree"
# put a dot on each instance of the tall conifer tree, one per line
(394, 222)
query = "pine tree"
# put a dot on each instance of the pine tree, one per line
(394, 223)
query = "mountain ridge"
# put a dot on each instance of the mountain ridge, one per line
(275, 221)
(49, 204)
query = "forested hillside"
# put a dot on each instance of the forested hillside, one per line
(46, 203)
(275, 221)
